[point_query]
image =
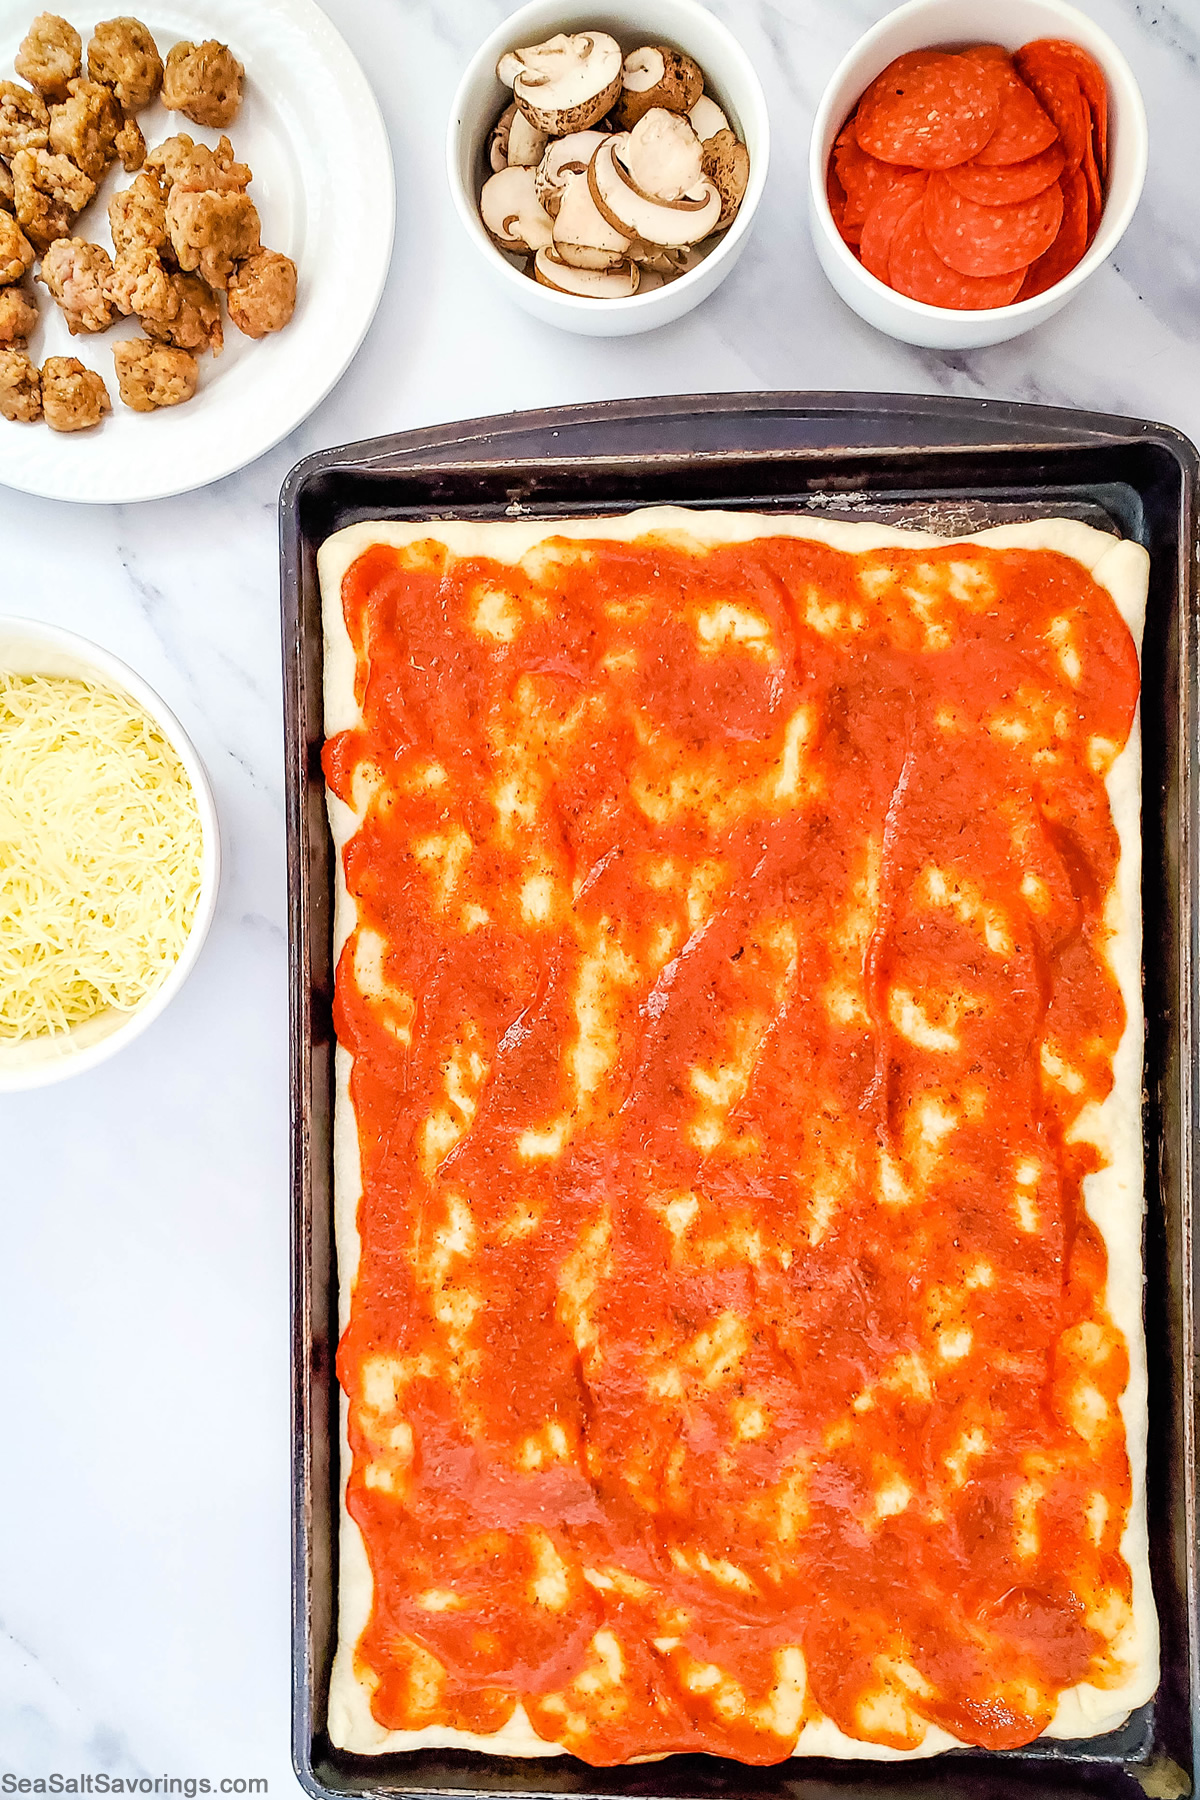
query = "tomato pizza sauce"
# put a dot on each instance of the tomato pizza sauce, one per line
(728, 1348)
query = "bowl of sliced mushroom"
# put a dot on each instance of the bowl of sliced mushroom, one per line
(608, 163)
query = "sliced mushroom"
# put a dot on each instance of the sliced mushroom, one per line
(514, 142)
(662, 155)
(583, 237)
(727, 165)
(526, 144)
(629, 209)
(565, 84)
(656, 76)
(511, 212)
(648, 256)
(589, 284)
(706, 118)
(565, 157)
(667, 265)
(498, 142)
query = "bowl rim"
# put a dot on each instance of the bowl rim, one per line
(490, 51)
(114, 672)
(1111, 229)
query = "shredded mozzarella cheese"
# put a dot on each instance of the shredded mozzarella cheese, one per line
(100, 853)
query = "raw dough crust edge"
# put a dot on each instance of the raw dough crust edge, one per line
(1114, 1196)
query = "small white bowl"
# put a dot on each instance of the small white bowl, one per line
(953, 22)
(30, 648)
(729, 76)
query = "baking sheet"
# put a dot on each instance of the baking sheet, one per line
(944, 465)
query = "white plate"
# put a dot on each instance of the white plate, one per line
(311, 131)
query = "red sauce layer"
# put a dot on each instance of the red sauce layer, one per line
(729, 1344)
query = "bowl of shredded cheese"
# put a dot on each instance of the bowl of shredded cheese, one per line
(109, 854)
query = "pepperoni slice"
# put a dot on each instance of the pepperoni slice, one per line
(989, 240)
(1011, 182)
(1068, 246)
(1092, 82)
(835, 193)
(863, 177)
(883, 218)
(1095, 190)
(932, 113)
(1058, 89)
(1025, 129)
(916, 269)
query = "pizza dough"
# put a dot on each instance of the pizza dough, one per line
(1114, 1195)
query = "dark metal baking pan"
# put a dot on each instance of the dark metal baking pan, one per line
(945, 464)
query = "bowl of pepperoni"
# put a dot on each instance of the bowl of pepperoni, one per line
(972, 163)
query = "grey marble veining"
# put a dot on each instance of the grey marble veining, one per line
(144, 1275)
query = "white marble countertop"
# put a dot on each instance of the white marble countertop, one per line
(144, 1540)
